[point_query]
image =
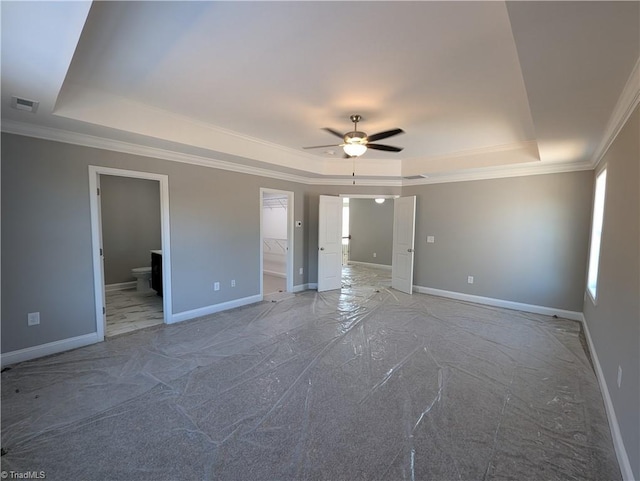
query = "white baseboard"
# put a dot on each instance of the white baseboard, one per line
(205, 311)
(274, 273)
(312, 285)
(47, 349)
(618, 443)
(120, 286)
(370, 264)
(301, 287)
(489, 301)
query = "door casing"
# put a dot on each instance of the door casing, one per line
(290, 231)
(96, 240)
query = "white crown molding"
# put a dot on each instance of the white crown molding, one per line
(358, 182)
(518, 170)
(627, 102)
(85, 140)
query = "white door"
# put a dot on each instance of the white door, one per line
(330, 243)
(404, 226)
(101, 319)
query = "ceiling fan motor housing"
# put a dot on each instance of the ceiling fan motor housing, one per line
(350, 137)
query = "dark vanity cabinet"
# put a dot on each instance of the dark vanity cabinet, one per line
(156, 272)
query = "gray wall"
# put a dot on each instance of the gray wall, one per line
(614, 323)
(371, 228)
(130, 225)
(46, 236)
(523, 239)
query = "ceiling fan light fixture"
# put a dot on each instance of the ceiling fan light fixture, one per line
(355, 150)
(355, 147)
(356, 142)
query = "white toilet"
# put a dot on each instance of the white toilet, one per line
(143, 278)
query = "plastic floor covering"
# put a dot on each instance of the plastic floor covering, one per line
(362, 383)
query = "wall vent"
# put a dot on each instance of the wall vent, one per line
(24, 104)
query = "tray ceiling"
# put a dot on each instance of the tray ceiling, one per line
(475, 85)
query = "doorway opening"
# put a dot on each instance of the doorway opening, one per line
(130, 233)
(367, 240)
(276, 240)
(330, 242)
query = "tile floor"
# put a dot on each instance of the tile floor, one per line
(128, 310)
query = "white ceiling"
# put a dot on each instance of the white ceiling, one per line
(476, 86)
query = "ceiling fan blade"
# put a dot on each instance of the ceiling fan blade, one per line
(384, 135)
(334, 132)
(388, 148)
(321, 146)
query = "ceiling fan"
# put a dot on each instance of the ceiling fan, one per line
(356, 143)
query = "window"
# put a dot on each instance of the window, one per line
(596, 233)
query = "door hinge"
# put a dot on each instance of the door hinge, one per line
(100, 251)
(104, 310)
(98, 189)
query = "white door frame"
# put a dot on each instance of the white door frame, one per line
(96, 240)
(290, 244)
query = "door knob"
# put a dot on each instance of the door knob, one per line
(321, 248)
(409, 250)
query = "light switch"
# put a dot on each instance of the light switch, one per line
(431, 239)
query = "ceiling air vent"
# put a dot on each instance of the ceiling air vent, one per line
(24, 104)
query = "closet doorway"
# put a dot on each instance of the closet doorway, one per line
(276, 240)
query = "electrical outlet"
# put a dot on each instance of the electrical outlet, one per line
(33, 318)
(619, 376)
(470, 279)
(233, 283)
(431, 239)
(375, 255)
(301, 270)
(216, 286)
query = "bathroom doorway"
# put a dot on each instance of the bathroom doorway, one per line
(276, 240)
(131, 249)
